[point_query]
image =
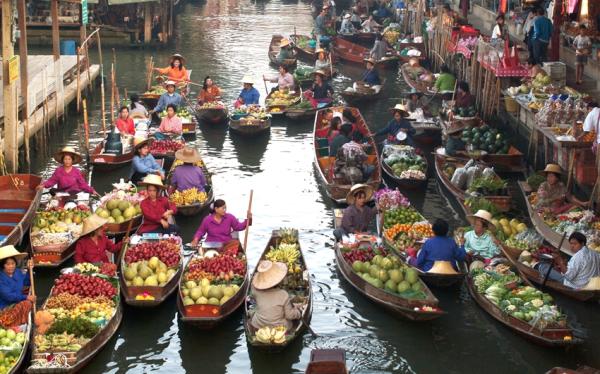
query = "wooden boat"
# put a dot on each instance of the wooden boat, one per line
(52, 255)
(195, 208)
(212, 116)
(327, 361)
(551, 236)
(303, 50)
(189, 127)
(337, 189)
(428, 132)
(159, 294)
(274, 50)
(279, 110)
(250, 128)
(415, 83)
(503, 203)
(405, 183)
(535, 277)
(303, 291)
(19, 200)
(360, 37)
(354, 53)
(120, 229)
(206, 316)
(78, 360)
(549, 337)
(361, 96)
(106, 161)
(300, 114)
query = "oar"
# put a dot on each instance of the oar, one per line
(266, 89)
(312, 332)
(552, 262)
(32, 286)
(122, 253)
(248, 219)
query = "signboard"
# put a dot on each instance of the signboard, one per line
(84, 12)
(13, 69)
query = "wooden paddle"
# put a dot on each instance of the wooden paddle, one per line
(552, 261)
(32, 286)
(122, 253)
(248, 219)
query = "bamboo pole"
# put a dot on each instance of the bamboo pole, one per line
(248, 219)
(112, 94)
(32, 282)
(78, 81)
(102, 93)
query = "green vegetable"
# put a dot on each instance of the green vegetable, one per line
(489, 185)
(478, 203)
(535, 180)
(80, 327)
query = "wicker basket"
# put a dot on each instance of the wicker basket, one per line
(511, 104)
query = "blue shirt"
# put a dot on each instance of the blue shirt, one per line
(371, 77)
(11, 288)
(250, 96)
(166, 99)
(394, 126)
(398, 4)
(144, 165)
(439, 248)
(542, 29)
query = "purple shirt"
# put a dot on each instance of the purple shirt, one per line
(188, 176)
(219, 232)
(71, 182)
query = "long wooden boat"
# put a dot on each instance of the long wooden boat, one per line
(254, 127)
(428, 132)
(360, 37)
(356, 54)
(338, 189)
(106, 161)
(17, 366)
(300, 114)
(213, 116)
(540, 225)
(88, 351)
(327, 361)
(405, 183)
(274, 48)
(52, 256)
(303, 291)
(503, 203)
(359, 97)
(159, 294)
(206, 316)
(549, 337)
(303, 50)
(19, 201)
(195, 208)
(413, 82)
(535, 277)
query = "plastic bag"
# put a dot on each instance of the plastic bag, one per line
(488, 172)
(472, 173)
(459, 178)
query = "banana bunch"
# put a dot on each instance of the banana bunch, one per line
(188, 197)
(288, 236)
(57, 343)
(271, 335)
(86, 267)
(286, 253)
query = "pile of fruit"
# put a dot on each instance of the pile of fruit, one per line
(152, 263)
(404, 162)
(213, 280)
(163, 147)
(281, 99)
(156, 90)
(507, 291)
(182, 113)
(12, 342)
(486, 139)
(120, 206)
(188, 197)
(212, 105)
(507, 229)
(467, 112)
(58, 226)
(270, 335)
(178, 162)
(287, 251)
(584, 221)
(406, 215)
(391, 35)
(390, 199)
(250, 115)
(416, 231)
(363, 253)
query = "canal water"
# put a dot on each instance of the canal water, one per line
(226, 40)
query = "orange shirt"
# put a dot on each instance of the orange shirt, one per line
(210, 94)
(175, 74)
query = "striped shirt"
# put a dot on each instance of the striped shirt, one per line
(584, 265)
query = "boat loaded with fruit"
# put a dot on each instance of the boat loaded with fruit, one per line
(249, 120)
(283, 247)
(79, 317)
(121, 207)
(150, 269)
(188, 121)
(213, 285)
(213, 112)
(404, 166)
(192, 201)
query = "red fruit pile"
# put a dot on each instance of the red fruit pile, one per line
(220, 266)
(108, 268)
(363, 255)
(165, 146)
(84, 286)
(166, 250)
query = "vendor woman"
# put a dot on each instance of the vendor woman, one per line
(125, 123)
(67, 177)
(171, 125)
(209, 93)
(358, 215)
(219, 225)
(320, 92)
(285, 80)
(479, 241)
(397, 124)
(175, 71)
(552, 194)
(464, 99)
(188, 175)
(274, 305)
(13, 280)
(93, 243)
(143, 162)
(455, 144)
(157, 211)
(322, 63)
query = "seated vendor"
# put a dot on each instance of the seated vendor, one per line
(168, 98)
(13, 279)
(347, 28)
(415, 101)
(171, 125)
(445, 81)
(188, 175)
(454, 143)
(344, 136)
(552, 194)
(579, 270)
(219, 225)
(125, 123)
(67, 177)
(249, 95)
(157, 211)
(397, 124)
(285, 51)
(357, 216)
(439, 248)
(480, 242)
(93, 243)
(464, 99)
(143, 162)
(534, 69)
(274, 305)
(320, 92)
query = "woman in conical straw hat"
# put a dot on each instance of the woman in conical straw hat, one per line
(358, 215)
(12, 279)
(189, 175)
(480, 241)
(273, 304)
(67, 177)
(158, 211)
(93, 243)
(143, 162)
(439, 254)
(553, 194)
(398, 124)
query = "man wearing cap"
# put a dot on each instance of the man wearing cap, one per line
(249, 95)
(93, 243)
(358, 215)
(347, 28)
(168, 98)
(67, 177)
(188, 175)
(398, 124)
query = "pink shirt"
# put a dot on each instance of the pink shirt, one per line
(284, 81)
(71, 182)
(219, 232)
(172, 125)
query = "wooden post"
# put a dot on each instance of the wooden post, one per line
(102, 104)
(11, 149)
(22, 11)
(55, 31)
(147, 22)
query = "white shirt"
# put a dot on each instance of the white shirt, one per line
(582, 42)
(497, 32)
(592, 123)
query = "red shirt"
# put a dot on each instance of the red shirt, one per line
(86, 250)
(153, 212)
(125, 126)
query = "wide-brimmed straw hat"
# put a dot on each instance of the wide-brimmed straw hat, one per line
(370, 60)
(347, 16)
(368, 190)
(319, 72)
(319, 50)
(442, 267)
(400, 108)
(9, 251)
(247, 79)
(140, 142)
(58, 156)
(152, 179)
(284, 43)
(455, 128)
(170, 83)
(188, 155)
(484, 215)
(92, 223)
(553, 168)
(269, 274)
(178, 56)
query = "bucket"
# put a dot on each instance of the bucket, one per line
(511, 104)
(68, 47)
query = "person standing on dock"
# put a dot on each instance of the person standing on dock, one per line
(175, 71)
(592, 124)
(168, 98)
(542, 32)
(67, 177)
